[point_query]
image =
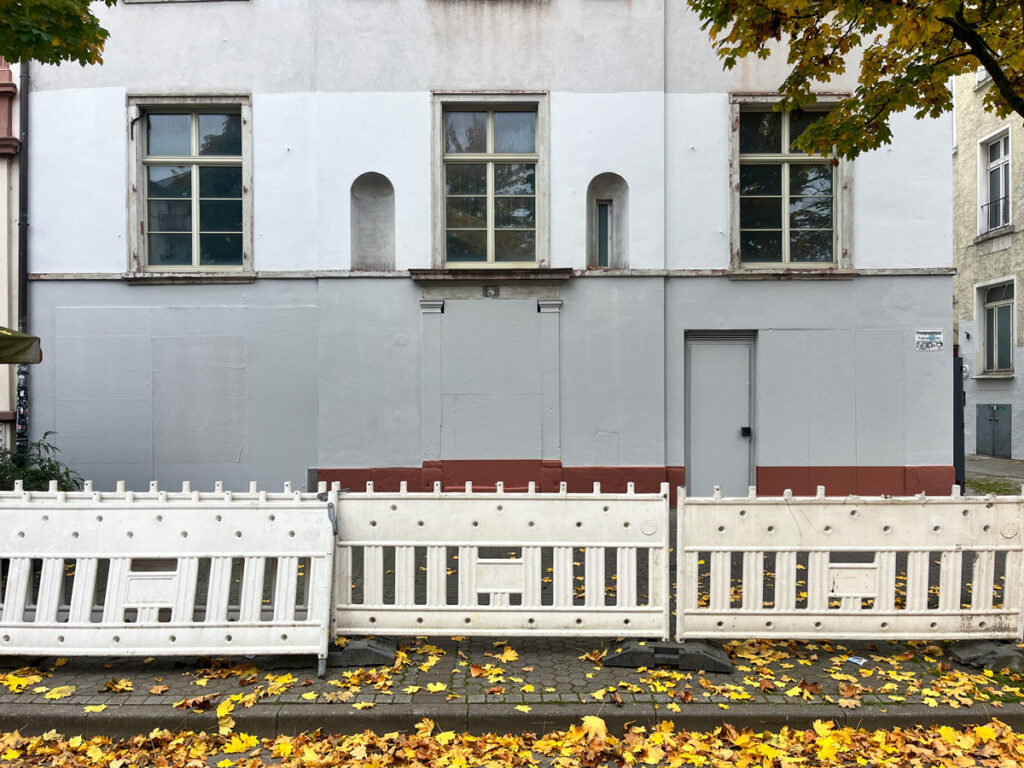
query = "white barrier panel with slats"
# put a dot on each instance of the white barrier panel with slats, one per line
(849, 567)
(502, 563)
(127, 574)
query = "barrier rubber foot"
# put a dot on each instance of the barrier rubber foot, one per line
(693, 655)
(364, 652)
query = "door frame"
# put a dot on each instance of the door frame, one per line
(748, 338)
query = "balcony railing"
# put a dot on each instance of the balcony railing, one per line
(995, 214)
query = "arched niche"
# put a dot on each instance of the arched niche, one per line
(373, 223)
(608, 222)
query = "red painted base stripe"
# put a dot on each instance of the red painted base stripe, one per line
(517, 474)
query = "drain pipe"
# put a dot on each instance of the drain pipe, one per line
(21, 409)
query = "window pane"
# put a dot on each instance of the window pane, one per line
(514, 212)
(761, 212)
(603, 212)
(515, 132)
(799, 120)
(761, 246)
(170, 216)
(220, 181)
(466, 245)
(462, 179)
(994, 151)
(1004, 324)
(466, 212)
(220, 215)
(170, 250)
(990, 339)
(810, 213)
(169, 181)
(514, 178)
(465, 132)
(514, 245)
(760, 179)
(810, 245)
(169, 134)
(220, 250)
(994, 185)
(760, 132)
(810, 179)
(220, 134)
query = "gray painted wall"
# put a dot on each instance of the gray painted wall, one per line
(261, 381)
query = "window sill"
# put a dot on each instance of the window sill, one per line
(995, 234)
(187, 278)
(462, 275)
(789, 273)
(994, 375)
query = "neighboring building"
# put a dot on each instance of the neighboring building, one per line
(988, 190)
(8, 241)
(476, 241)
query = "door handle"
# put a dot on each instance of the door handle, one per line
(745, 432)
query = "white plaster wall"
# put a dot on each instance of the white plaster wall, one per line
(308, 148)
(697, 198)
(902, 198)
(79, 179)
(622, 133)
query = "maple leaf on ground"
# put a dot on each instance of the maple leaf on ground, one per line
(496, 690)
(363, 705)
(95, 707)
(849, 703)
(158, 689)
(338, 697)
(197, 703)
(61, 692)
(477, 670)
(123, 685)
(595, 656)
(436, 687)
(595, 728)
(507, 655)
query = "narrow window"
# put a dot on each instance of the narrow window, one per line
(995, 192)
(604, 233)
(999, 328)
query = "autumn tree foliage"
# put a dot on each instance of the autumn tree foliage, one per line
(51, 31)
(905, 50)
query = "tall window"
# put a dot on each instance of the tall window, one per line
(786, 198)
(193, 189)
(998, 309)
(490, 186)
(995, 192)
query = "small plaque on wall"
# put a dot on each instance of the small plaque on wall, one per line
(928, 340)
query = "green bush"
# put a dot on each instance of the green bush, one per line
(37, 466)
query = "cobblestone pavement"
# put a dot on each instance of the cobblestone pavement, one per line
(509, 685)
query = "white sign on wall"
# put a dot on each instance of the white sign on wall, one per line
(928, 341)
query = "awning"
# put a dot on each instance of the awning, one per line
(17, 347)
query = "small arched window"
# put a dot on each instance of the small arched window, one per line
(373, 223)
(608, 222)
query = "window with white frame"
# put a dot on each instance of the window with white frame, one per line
(787, 199)
(490, 177)
(995, 183)
(193, 203)
(998, 333)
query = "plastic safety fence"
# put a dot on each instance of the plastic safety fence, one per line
(472, 563)
(849, 567)
(158, 573)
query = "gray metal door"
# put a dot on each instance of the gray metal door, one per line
(719, 413)
(993, 430)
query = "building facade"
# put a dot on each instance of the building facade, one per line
(989, 257)
(474, 241)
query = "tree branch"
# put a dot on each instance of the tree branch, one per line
(966, 33)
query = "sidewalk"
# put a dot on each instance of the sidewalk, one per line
(992, 467)
(485, 685)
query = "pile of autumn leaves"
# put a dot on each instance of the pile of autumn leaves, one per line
(587, 744)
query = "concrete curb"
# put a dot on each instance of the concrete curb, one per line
(268, 720)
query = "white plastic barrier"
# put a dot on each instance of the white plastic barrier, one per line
(849, 567)
(90, 573)
(502, 563)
